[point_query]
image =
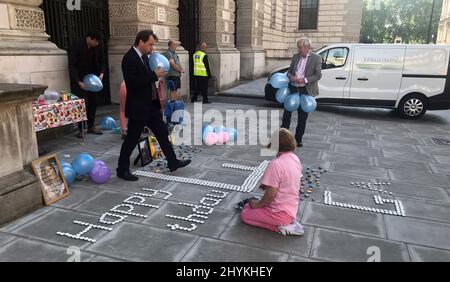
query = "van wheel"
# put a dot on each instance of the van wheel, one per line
(413, 106)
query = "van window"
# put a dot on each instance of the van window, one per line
(334, 58)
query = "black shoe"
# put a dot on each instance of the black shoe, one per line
(180, 164)
(127, 175)
(80, 135)
(206, 102)
(300, 144)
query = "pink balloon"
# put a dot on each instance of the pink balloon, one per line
(211, 138)
(223, 137)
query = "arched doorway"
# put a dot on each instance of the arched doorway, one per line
(189, 27)
(66, 26)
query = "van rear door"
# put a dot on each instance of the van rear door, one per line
(377, 74)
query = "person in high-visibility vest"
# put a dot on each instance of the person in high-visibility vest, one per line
(202, 73)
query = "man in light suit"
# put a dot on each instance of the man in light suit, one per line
(304, 74)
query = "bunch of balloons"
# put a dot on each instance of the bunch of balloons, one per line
(292, 101)
(93, 83)
(156, 60)
(84, 164)
(219, 135)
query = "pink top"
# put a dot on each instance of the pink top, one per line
(284, 174)
(123, 99)
(301, 70)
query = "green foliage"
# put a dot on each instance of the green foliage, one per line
(384, 20)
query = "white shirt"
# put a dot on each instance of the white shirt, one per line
(301, 70)
(139, 53)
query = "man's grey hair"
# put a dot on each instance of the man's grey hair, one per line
(305, 42)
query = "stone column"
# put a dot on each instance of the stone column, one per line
(250, 38)
(127, 18)
(217, 28)
(26, 55)
(20, 192)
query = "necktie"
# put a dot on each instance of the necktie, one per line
(147, 67)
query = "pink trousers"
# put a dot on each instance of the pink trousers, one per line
(264, 218)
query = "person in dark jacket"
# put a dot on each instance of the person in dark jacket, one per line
(142, 106)
(85, 58)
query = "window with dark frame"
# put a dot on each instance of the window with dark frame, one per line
(308, 15)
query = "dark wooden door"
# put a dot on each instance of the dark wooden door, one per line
(189, 27)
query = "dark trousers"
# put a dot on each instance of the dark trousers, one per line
(201, 88)
(135, 128)
(91, 100)
(302, 118)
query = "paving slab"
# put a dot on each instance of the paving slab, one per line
(6, 238)
(426, 210)
(424, 254)
(402, 165)
(418, 232)
(346, 247)
(435, 194)
(406, 155)
(360, 170)
(45, 228)
(211, 250)
(239, 232)
(107, 200)
(347, 158)
(23, 250)
(342, 219)
(78, 195)
(25, 219)
(420, 178)
(213, 226)
(144, 243)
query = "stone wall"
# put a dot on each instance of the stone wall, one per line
(338, 21)
(127, 18)
(26, 55)
(444, 24)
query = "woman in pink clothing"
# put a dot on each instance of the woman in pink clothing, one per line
(123, 99)
(277, 210)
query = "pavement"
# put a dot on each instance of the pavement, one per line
(353, 145)
(250, 89)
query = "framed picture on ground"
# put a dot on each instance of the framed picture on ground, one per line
(145, 152)
(53, 184)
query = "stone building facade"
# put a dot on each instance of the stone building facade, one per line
(444, 24)
(246, 38)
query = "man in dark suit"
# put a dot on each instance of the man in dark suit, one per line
(304, 73)
(85, 58)
(143, 107)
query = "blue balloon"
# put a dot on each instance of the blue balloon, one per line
(219, 129)
(63, 164)
(156, 60)
(93, 83)
(308, 103)
(83, 164)
(108, 123)
(292, 102)
(282, 94)
(206, 129)
(69, 174)
(279, 80)
(232, 132)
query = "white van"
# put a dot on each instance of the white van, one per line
(410, 78)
